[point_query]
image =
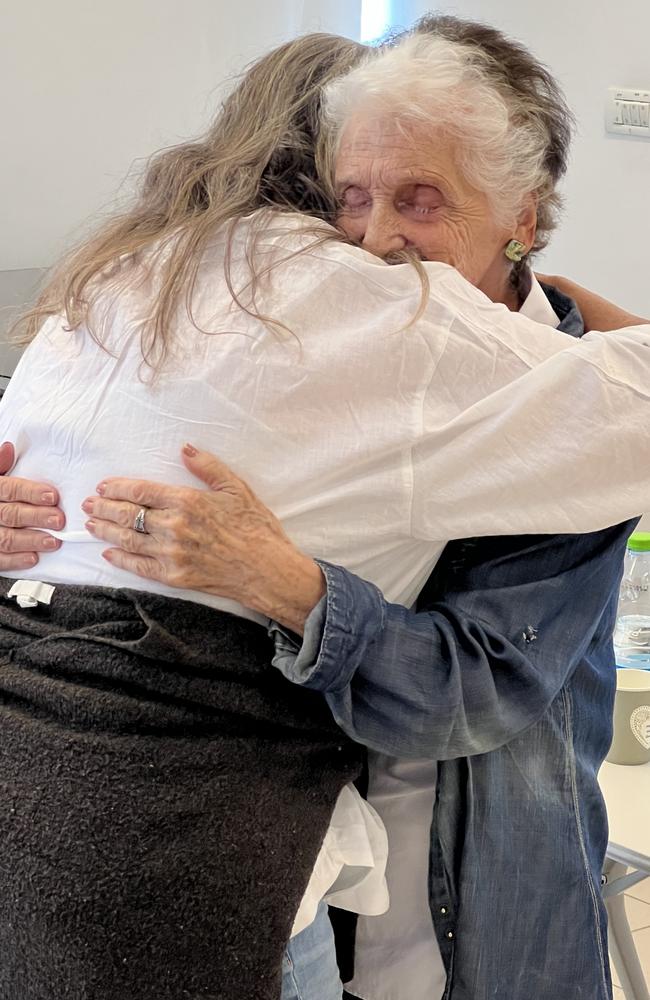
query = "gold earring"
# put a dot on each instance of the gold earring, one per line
(515, 251)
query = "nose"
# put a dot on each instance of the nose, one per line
(382, 234)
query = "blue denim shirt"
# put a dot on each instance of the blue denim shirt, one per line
(506, 676)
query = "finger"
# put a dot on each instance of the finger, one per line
(19, 560)
(208, 468)
(138, 542)
(145, 566)
(25, 515)
(24, 540)
(138, 491)
(7, 457)
(12, 488)
(120, 512)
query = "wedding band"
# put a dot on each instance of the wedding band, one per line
(138, 524)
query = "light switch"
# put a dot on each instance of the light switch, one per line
(628, 112)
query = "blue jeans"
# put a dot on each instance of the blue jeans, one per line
(309, 969)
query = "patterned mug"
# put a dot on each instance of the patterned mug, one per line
(631, 741)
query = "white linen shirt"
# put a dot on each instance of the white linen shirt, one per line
(374, 440)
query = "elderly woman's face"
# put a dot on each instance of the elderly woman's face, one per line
(400, 191)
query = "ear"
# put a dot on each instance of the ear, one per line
(526, 228)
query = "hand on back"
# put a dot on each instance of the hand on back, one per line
(28, 510)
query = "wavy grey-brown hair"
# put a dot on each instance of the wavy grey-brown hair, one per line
(259, 153)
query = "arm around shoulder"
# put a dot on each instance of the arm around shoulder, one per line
(598, 313)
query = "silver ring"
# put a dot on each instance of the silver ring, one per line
(138, 524)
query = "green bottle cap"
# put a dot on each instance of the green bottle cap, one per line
(639, 541)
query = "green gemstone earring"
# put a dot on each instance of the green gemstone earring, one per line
(515, 251)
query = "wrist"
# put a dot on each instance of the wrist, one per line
(293, 591)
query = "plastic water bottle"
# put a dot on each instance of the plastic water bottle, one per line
(632, 635)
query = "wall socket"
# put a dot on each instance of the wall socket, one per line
(628, 112)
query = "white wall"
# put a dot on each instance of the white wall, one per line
(590, 45)
(88, 88)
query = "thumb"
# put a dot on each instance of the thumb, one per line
(7, 457)
(207, 467)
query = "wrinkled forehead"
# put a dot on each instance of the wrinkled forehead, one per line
(369, 132)
(384, 146)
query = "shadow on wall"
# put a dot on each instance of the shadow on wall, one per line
(17, 290)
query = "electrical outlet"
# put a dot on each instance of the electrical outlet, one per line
(628, 112)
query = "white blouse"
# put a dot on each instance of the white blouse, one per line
(373, 439)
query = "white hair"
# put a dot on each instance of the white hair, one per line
(446, 87)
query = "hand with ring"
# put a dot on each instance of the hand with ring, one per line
(221, 540)
(138, 521)
(27, 510)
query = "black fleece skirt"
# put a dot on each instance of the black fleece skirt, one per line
(164, 793)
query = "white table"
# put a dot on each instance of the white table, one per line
(627, 793)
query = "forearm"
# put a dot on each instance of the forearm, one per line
(438, 684)
(467, 676)
(564, 448)
(598, 313)
(289, 593)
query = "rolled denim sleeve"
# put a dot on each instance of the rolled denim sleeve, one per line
(474, 671)
(337, 633)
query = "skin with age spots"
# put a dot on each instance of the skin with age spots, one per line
(178, 522)
(405, 190)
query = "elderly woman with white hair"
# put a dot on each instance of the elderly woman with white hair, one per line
(373, 437)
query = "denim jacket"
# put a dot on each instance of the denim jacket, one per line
(505, 675)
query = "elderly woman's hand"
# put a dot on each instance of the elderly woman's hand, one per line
(24, 506)
(221, 541)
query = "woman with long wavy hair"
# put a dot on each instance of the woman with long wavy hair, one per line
(167, 792)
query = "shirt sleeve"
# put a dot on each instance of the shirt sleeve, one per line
(562, 448)
(478, 668)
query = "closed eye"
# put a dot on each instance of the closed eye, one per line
(420, 201)
(354, 199)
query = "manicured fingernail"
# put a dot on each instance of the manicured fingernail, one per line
(51, 543)
(189, 450)
(88, 505)
(90, 526)
(53, 521)
(30, 560)
(108, 555)
(101, 489)
(47, 497)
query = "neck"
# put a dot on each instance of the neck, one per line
(511, 299)
(500, 289)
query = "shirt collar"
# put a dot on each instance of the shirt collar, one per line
(536, 306)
